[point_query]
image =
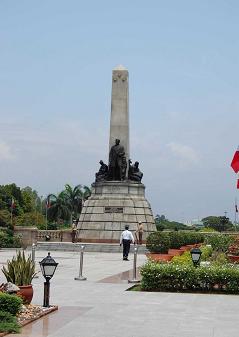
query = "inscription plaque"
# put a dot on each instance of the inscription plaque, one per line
(113, 209)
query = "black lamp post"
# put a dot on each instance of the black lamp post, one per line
(48, 266)
(196, 255)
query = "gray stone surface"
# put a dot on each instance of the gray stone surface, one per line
(114, 312)
(119, 120)
(96, 224)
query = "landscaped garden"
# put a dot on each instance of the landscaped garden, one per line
(170, 266)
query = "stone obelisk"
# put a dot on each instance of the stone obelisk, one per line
(116, 202)
(119, 119)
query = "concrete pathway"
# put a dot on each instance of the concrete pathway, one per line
(98, 308)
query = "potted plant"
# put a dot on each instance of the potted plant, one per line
(20, 271)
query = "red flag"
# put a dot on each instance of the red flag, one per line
(235, 162)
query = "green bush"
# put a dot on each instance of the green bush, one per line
(177, 239)
(8, 323)
(173, 277)
(10, 303)
(219, 242)
(185, 258)
(158, 242)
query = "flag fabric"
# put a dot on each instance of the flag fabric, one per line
(48, 203)
(235, 161)
(13, 204)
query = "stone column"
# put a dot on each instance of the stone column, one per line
(119, 120)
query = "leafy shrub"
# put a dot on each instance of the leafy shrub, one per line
(219, 242)
(177, 239)
(219, 258)
(185, 258)
(173, 277)
(8, 323)
(158, 242)
(10, 303)
(20, 270)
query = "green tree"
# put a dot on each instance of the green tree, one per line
(164, 224)
(219, 223)
(60, 207)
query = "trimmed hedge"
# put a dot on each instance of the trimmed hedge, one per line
(160, 242)
(173, 277)
(10, 303)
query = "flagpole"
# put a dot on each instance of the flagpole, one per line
(11, 218)
(46, 213)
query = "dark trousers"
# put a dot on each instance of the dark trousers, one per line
(126, 247)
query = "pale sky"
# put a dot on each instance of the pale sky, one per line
(56, 59)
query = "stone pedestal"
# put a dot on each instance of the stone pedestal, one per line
(112, 205)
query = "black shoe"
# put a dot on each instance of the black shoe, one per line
(126, 259)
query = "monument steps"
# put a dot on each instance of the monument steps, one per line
(89, 247)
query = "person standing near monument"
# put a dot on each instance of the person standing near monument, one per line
(117, 162)
(74, 231)
(126, 238)
(139, 233)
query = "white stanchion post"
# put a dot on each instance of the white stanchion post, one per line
(81, 277)
(134, 279)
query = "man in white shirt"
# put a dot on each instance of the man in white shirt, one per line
(126, 238)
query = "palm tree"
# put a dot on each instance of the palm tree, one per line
(59, 207)
(76, 198)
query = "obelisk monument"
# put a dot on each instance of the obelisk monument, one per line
(118, 195)
(119, 119)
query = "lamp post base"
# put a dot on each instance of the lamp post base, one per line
(134, 281)
(80, 278)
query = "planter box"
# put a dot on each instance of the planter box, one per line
(175, 252)
(159, 257)
(184, 248)
(233, 258)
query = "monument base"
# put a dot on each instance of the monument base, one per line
(111, 206)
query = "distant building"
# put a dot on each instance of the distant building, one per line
(197, 223)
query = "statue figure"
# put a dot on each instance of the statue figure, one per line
(134, 172)
(102, 174)
(117, 162)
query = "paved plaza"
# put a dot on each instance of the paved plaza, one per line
(101, 306)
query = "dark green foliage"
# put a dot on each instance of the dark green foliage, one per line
(8, 323)
(8, 240)
(173, 277)
(10, 303)
(164, 224)
(158, 242)
(219, 223)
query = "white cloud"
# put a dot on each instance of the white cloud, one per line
(5, 152)
(184, 153)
